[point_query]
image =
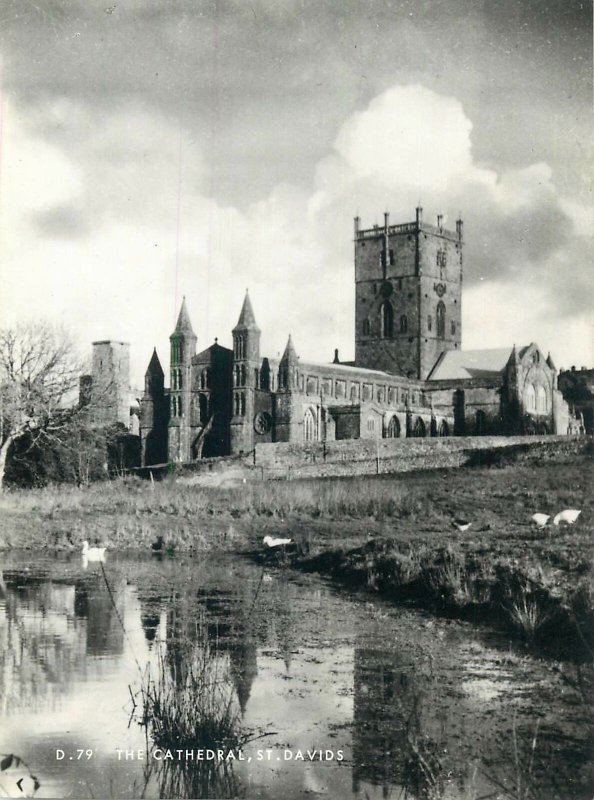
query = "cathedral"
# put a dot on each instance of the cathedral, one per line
(410, 376)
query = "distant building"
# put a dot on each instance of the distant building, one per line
(409, 377)
(577, 387)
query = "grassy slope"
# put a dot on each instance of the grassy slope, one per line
(391, 533)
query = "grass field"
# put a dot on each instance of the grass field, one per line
(390, 533)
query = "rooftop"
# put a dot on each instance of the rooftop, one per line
(463, 364)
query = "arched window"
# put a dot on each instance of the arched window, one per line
(443, 429)
(242, 375)
(403, 324)
(309, 426)
(236, 405)
(440, 320)
(429, 322)
(203, 409)
(453, 327)
(242, 405)
(179, 379)
(235, 378)
(530, 398)
(541, 400)
(179, 407)
(174, 379)
(387, 318)
(392, 429)
(419, 430)
(365, 327)
(174, 406)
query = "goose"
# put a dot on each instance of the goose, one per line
(271, 541)
(461, 524)
(540, 519)
(568, 516)
(92, 553)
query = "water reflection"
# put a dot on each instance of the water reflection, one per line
(420, 709)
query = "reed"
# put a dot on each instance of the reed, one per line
(188, 703)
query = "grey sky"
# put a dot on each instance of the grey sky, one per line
(239, 98)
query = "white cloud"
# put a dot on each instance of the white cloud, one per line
(122, 273)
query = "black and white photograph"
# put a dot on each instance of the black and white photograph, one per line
(297, 399)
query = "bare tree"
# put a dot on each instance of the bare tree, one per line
(39, 375)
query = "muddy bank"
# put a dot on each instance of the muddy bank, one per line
(556, 617)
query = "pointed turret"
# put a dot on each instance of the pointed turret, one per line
(514, 358)
(290, 354)
(551, 363)
(154, 377)
(184, 325)
(247, 319)
(154, 366)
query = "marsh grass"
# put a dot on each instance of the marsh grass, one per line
(189, 703)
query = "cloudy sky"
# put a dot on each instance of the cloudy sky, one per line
(155, 148)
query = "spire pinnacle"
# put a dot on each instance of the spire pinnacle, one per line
(289, 354)
(247, 319)
(154, 365)
(184, 324)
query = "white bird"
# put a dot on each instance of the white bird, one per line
(568, 516)
(93, 553)
(271, 541)
(462, 525)
(540, 519)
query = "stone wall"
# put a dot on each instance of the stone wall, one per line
(366, 457)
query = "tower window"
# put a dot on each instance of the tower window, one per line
(453, 327)
(440, 320)
(365, 327)
(391, 258)
(429, 322)
(441, 259)
(242, 405)
(242, 375)
(387, 320)
(179, 406)
(403, 324)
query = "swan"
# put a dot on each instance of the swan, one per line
(568, 516)
(540, 519)
(92, 553)
(271, 541)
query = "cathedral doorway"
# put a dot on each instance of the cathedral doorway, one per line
(310, 433)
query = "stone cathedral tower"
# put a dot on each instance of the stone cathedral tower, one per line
(408, 295)
(246, 377)
(183, 348)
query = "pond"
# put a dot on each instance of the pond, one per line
(337, 695)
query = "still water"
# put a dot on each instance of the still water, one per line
(401, 705)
